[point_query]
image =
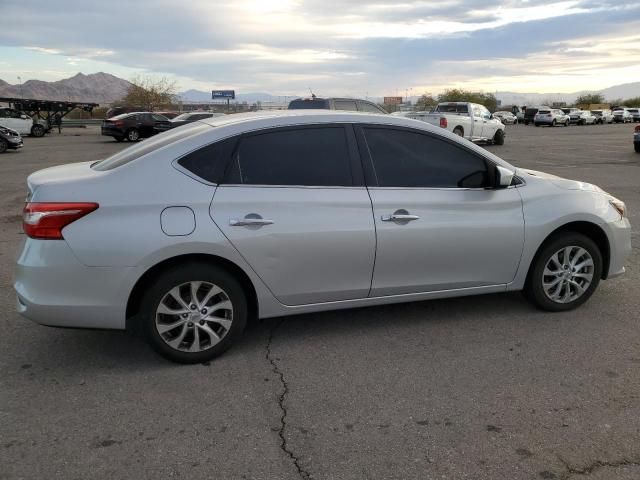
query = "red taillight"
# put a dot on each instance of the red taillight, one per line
(443, 122)
(46, 220)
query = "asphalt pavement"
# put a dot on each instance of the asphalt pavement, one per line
(476, 388)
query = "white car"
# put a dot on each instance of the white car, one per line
(551, 117)
(603, 116)
(622, 115)
(469, 120)
(583, 117)
(270, 214)
(507, 118)
(21, 123)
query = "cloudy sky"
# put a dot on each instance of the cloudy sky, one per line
(335, 47)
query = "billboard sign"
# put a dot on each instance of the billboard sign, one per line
(392, 100)
(226, 94)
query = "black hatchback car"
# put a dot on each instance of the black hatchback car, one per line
(134, 126)
(9, 139)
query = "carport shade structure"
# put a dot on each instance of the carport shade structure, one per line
(47, 109)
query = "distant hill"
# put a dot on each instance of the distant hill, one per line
(97, 87)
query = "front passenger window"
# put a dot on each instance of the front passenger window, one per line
(405, 158)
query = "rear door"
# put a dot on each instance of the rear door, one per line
(438, 227)
(293, 203)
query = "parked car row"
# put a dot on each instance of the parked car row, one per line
(136, 125)
(574, 116)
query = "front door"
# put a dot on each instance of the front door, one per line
(438, 226)
(294, 206)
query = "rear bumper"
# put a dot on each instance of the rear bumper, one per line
(54, 288)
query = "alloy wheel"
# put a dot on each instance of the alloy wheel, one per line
(194, 316)
(567, 274)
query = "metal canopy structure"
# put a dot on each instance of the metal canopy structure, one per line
(46, 109)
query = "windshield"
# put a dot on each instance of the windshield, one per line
(149, 145)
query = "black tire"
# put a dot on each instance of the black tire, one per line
(3, 145)
(458, 131)
(566, 124)
(133, 135)
(553, 124)
(37, 131)
(498, 138)
(119, 139)
(191, 272)
(534, 290)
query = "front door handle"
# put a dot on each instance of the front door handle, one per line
(251, 220)
(400, 216)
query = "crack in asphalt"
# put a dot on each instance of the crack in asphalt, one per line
(284, 445)
(592, 467)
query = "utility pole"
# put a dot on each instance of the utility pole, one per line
(21, 91)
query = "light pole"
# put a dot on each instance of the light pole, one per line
(21, 92)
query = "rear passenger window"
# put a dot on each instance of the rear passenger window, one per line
(349, 105)
(209, 162)
(305, 156)
(403, 158)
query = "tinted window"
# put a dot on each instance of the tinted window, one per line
(209, 162)
(308, 103)
(159, 118)
(349, 105)
(154, 143)
(452, 108)
(403, 158)
(306, 156)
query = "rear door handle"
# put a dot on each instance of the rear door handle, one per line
(249, 222)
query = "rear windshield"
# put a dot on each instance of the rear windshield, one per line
(544, 112)
(120, 117)
(308, 104)
(531, 111)
(452, 108)
(149, 145)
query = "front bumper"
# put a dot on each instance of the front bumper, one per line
(53, 288)
(619, 235)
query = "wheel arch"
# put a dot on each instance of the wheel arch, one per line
(588, 229)
(458, 127)
(134, 301)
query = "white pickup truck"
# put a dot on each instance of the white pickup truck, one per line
(469, 120)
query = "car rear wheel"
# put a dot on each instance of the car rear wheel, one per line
(3, 145)
(458, 131)
(565, 273)
(37, 131)
(553, 124)
(193, 313)
(133, 135)
(566, 123)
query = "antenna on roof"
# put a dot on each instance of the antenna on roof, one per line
(313, 95)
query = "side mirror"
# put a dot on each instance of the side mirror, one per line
(504, 177)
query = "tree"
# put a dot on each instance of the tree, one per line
(590, 99)
(426, 102)
(458, 95)
(632, 102)
(150, 92)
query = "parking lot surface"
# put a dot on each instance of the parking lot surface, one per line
(471, 388)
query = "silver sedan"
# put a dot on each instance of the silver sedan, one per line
(188, 234)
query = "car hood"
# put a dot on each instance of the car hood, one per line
(560, 182)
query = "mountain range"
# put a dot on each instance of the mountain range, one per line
(96, 87)
(105, 88)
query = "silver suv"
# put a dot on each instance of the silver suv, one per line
(551, 117)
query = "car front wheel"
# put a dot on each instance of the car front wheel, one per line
(193, 313)
(3, 145)
(37, 131)
(565, 273)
